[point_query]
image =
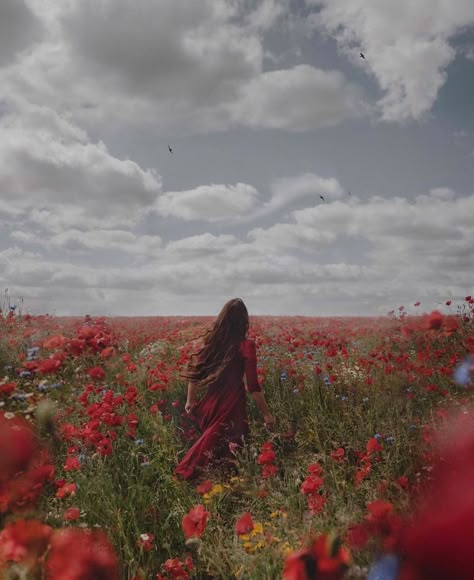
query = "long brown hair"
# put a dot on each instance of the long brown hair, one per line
(221, 343)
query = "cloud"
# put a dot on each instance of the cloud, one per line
(54, 173)
(180, 66)
(297, 99)
(19, 29)
(83, 242)
(412, 249)
(212, 203)
(406, 44)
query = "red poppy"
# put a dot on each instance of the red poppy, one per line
(18, 446)
(244, 524)
(24, 540)
(93, 556)
(338, 455)
(72, 463)
(323, 559)
(55, 341)
(7, 388)
(435, 320)
(266, 457)
(373, 445)
(269, 471)
(194, 522)
(49, 365)
(311, 485)
(71, 514)
(96, 373)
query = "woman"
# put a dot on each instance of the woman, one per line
(226, 354)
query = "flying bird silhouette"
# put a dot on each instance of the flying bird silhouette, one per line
(321, 197)
(169, 149)
(362, 56)
(349, 193)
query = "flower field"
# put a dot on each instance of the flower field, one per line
(92, 425)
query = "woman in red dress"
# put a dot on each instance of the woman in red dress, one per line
(223, 359)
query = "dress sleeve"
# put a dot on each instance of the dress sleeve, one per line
(249, 353)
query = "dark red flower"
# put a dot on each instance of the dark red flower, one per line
(24, 541)
(323, 559)
(435, 320)
(94, 556)
(96, 373)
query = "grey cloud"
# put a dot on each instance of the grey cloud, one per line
(19, 29)
(171, 49)
(49, 167)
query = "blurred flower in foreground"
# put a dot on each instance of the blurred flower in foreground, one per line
(324, 559)
(464, 373)
(93, 556)
(436, 542)
(23, 542)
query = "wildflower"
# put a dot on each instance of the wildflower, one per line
(195, 521)
(244, 524)
(204, 487)
(72, 463)
(24, 541)
(435, 320)
(269, 471)
(96, 373)
(93, 556)
(49, 365)
(71, 514)
(386, 568)
(324, 559)
(145, 541)
(338, 455)
(464, 373)
(267, 455)
(373, 445)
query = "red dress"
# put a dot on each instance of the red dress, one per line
(222, 413)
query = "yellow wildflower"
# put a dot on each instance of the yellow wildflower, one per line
(257, 529)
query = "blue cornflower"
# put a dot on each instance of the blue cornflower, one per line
(390, 439)
(25, 374)
(385, 569)
(378, 436)
(19, 397)
(464, 373)
(139, 441)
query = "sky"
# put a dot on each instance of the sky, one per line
(304, 179)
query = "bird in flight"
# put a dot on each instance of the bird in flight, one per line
(169, 149)
(321, 197)
(362, 56)
(349, 193)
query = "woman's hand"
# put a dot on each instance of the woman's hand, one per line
(268, 419)
(189, 406)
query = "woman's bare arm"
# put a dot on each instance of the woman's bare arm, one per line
(259, 398)
(193, 389)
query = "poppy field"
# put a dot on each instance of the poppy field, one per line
(92, 426)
